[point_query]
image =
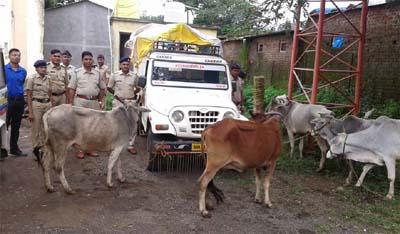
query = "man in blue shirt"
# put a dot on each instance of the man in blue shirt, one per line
(15, 78)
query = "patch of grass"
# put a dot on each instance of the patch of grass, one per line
(383, 214)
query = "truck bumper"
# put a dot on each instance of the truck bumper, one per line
(170, 148)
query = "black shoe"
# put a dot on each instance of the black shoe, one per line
(3, 153)
(18, 153)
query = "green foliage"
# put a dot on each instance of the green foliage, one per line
(56, 3)
(269, 93)
(234, 17)
(390, 107)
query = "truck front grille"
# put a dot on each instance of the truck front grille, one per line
(199, 121)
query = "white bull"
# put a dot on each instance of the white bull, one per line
(297, 118)
(377, 145)
(89, 130)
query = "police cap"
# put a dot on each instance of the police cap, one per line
(40, 63)
(124, 59)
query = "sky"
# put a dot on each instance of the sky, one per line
(155, 7)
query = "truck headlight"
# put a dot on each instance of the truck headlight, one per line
(178, 116)
(229, 115)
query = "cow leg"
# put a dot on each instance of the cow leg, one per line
(291, 141)
(47, 160)
(324, 149)
(205, 178)
(267, 183)
(301, 147)
(391, 170)
(366, 168)
(121, 178)
(59, 167)
(350, 175)
(257, 173)
(111, 162)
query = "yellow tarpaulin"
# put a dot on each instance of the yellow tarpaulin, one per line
(127, 9)
(142, 40)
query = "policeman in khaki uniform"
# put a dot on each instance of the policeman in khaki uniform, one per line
(38, 90)
(59, 78)
(105, 72)
(123, 85)
(87, 89)
(66, 64)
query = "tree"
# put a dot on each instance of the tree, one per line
(56, 3)
(234, 17)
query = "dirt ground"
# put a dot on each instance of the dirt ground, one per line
(161, 203)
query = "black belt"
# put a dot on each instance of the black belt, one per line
(88, 97)
(57, 94)
(41, 100)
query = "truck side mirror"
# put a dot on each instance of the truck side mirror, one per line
(142, 82)
(234, 88)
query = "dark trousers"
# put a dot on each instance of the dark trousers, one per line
(13, 119)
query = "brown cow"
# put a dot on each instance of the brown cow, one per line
(240, 145)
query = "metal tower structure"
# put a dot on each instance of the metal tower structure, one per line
(317, 65)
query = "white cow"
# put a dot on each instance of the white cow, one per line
(378, 144)
(297, 118)
(89, 130)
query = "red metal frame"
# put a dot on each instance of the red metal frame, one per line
(313, 38)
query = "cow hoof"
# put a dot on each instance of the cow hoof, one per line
(122, 180)
(389, 197)
(50, 189)
(358, 185)
(319, 170)
(209, 207)
(258, 200)
(70, 191)
(205, 214)
(110, 185)
(268, 205)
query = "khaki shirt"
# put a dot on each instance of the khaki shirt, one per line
(86, 83)
(59, 78)
(39, 86)
(237, 96)
(123, 84)
(105, 73)
(70, 70)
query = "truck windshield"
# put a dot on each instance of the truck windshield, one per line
(194, 75)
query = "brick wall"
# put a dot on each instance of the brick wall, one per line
(270, 61)
(381, 69)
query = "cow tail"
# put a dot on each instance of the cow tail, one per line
(216, 192)
(203, 146)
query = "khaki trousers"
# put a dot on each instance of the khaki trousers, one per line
(37, 124)
(58, 100)
(91, 104)
(116, 104)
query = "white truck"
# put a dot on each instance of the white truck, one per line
(187, 88)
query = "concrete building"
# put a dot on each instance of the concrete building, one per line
(78, 27)
(86, 25)
(21, 26)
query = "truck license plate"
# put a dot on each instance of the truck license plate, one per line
(196, 147)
